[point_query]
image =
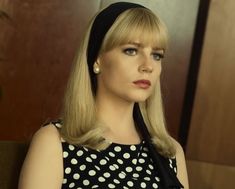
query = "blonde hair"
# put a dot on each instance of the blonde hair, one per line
(80, 125)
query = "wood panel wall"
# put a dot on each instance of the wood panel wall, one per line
(210, 149)
(37, 60)
(40, 47)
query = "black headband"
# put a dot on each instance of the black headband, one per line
(103, 21)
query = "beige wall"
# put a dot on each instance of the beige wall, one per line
(210, 148)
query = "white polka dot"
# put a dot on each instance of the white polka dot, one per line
(67, 170)
(147, 178)
(155, 185)
(111, 186)
(65, 154)
(64, 181)
(76, 176)
(112, 168)
(82, 167)
(95, 186)
(80, 153)
(144, 154)
(92, 173)
(121, 175)
(138, 168)
(129, 169)
(116, 181)
(175, 170)
(71, 185)
(133, 148)
(120, 161)
(126, 155)
(58, 125)
(157, 179)
(150, 166)
(149, 172)
(93, 156)
(103, 162)
(136, 175)
(88, 159)
(97, 167)
(71, 147)
(85, 149)
(170, 161)
(116, 166)
(130, 183)
(74, 161)
(134, 161)
(107, 175)
(117, 149)
(143, 184)
(101, 179)
(111, 154)
(124, 187)
(141, 160)
(86, 182)
(106, 158)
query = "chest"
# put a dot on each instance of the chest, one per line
(119, 166)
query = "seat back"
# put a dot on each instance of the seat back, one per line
(12, 155)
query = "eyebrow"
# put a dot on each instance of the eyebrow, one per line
(141, 45)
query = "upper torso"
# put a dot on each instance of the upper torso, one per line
(118, 166)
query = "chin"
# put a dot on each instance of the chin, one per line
(141, 98)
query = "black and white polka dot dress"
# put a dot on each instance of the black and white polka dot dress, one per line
(118, 166)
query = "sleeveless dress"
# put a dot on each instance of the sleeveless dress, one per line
(118, 166)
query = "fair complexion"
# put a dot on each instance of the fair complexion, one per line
(43, 165)
(116, 94)
(128, 74)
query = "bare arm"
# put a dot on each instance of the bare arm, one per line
(181, 166)
(43, 165)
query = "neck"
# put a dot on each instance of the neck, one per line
(116, 114)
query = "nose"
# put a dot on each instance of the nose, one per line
(146, 65)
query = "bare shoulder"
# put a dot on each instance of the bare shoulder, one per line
(181, 165)
(48, 132)
(43, 165)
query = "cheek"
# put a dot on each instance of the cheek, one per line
(116, 72)
(157, 73)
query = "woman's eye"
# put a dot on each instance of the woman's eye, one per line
(130, 51)
(158, 56)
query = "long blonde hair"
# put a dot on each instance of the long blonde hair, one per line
(80, 125)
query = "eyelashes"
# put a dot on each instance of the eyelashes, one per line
(134, 51)
(158, 56)
(130, 51)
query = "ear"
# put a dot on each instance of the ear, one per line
(98, 61)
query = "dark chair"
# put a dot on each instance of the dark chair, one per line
(12, 155)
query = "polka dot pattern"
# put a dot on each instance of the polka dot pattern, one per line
(118, 166)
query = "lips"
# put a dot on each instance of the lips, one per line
(144, 84)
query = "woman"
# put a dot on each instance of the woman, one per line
(113, 132)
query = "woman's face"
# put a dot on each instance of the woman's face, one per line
(129, 72)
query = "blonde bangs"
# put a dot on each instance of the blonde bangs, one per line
(136, 24)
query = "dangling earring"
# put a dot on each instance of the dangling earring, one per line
(96, 69)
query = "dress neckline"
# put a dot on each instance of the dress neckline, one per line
(126, 145)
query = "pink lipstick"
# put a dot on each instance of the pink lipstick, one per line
(143, 84)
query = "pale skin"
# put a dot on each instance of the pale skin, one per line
(120, 67)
